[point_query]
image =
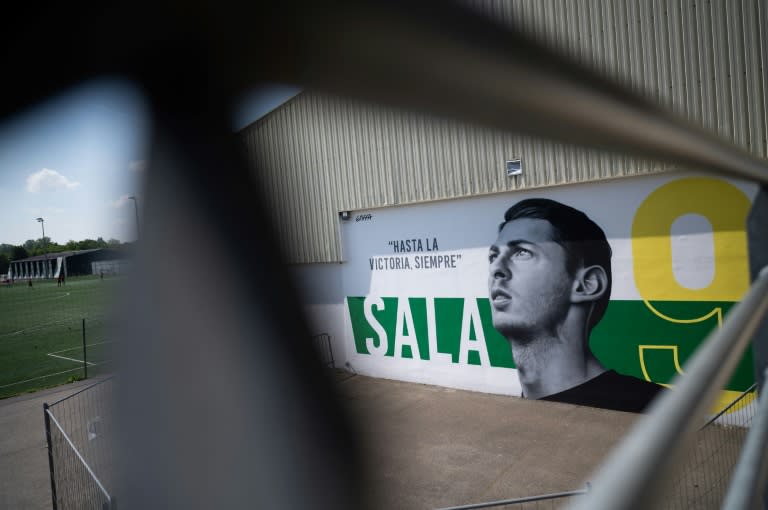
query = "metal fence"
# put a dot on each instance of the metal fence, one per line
(322, 345)
(703, 478)
(80, 434)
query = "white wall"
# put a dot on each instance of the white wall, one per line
(319, 286)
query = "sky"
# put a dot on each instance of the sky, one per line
(76, 159)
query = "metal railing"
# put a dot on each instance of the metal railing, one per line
(734, 406)
(520, 503)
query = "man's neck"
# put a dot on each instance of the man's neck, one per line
(552, 363)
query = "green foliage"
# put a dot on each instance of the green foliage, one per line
(4, 263)
(43, 245)
(18, 253)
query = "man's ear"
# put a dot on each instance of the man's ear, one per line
(589, 284)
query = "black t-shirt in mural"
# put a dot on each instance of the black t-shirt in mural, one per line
(610, 390)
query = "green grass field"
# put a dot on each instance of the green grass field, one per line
(41, 333)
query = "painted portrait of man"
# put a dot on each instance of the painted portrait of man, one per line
(549, 284)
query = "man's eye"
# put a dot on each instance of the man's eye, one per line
(522, 253)
(492, 257)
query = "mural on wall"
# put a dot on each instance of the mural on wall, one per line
(593, 294)
(549, 285)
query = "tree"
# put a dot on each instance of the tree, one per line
(4, 263)
(88, 244)
(19, 253)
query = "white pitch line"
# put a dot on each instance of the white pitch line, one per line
(80, 347)
(49, 375)
(69, 359)
(35, 328)
(54, 297)
(40, 377)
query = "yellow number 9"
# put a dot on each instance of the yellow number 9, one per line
(725, 206)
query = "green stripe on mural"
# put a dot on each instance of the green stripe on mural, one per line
(628, 325)
(633, 337)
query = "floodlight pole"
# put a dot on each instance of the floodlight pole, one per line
(41, 221)
(136, 210)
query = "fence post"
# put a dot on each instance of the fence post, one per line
(85, 361)
(50, 454)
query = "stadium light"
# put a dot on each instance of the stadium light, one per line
(41, 221)
(136, 210)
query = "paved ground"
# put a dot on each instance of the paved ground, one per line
(24, 479)
(428, 446)
(431, 447)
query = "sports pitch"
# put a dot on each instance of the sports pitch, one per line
(41, 332)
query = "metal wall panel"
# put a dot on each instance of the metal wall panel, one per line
(320, 155)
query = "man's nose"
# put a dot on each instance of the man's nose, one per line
(499, 270)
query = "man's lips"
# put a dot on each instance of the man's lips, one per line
(500, 297)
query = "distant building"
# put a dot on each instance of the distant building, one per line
(70, 263)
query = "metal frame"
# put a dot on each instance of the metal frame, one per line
(520, 501)
(49, 444)
(192, 61)
(48, 416)
(730, 406)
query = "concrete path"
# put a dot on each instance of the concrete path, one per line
(432, 447)
(24, 480)
(427, 446)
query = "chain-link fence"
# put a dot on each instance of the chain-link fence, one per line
(80, 434)
(701, 481)
(703, 478)
(51, 334)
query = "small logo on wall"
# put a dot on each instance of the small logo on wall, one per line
(347, 215)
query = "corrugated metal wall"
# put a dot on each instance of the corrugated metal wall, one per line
(319, 155)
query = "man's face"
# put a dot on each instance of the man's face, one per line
(528, 284)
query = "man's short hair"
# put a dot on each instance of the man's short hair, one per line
(584, 241)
